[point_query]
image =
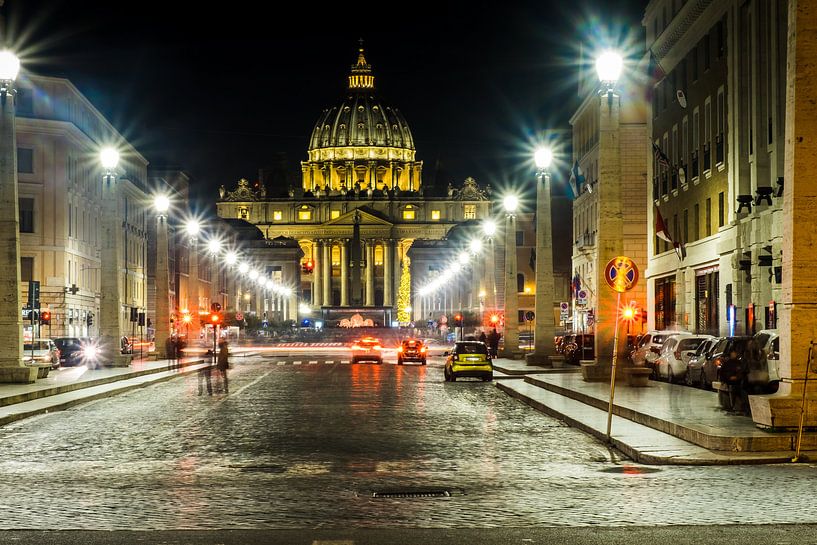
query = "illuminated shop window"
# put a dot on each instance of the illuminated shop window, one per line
(408, 212)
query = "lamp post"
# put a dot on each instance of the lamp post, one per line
(192, 227)
(543, 346)
(511, 203)
(161, 306)
(489, 230)
(609, 196)
(12, 368)
(110, 307)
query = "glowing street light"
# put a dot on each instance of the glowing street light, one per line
(9, 66)
(109, 158)
(543, 157)
(464, 258)
(161, 203)
(253, 275)
(489, 228)
(475, 246)
(511, 203)
(214, 246)
(231, 258)
(192, 227)
(608, 67)
(243, 268)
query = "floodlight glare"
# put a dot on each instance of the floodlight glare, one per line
(543, 157)
(511, 203)
(192, 227)
(608, 66)
(475, 246)
(161, 203)
(231, 258)
(9, 66)
(109, 158)
(243, 268)
(489, 227)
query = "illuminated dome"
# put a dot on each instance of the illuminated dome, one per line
(362, 119)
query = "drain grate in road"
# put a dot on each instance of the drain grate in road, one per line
(417, 493)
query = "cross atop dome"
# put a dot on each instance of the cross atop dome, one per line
(361, 76)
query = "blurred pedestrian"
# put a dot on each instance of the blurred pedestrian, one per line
(204, 377)
(172, 355)
(223, 363)
(493, 342)
(483, 338)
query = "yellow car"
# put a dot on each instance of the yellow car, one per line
(468, 359)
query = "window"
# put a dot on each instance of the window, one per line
(706, 52)
(334, 214)
(520, 282)
(469, 211)
(721, 39)
(686, 226)
(408, 212)
(435, 214)
(684, 143)
(521, 316)
(520, 238)
(378, 255)
(25, 160)
(26, 206)
(720, 209)
(243, 212)
(708, 226)
(277, 215)
(336, 256)
(304, 213)
(26, 269)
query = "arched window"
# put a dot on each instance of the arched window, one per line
(520, 282)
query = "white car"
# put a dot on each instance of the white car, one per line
(763, 354)
(649, 347)
(41, 351)
(671, 364)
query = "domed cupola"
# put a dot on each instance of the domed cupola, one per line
(362, 141)
(362, 119)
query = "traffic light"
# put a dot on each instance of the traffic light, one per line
(458, 320)
(215, 318)
(308, 266)
(90, 319)
(45, 317)
(494, 319)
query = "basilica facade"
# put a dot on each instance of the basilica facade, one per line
(359, 210)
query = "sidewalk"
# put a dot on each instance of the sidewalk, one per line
(69, 386)
(659, 424)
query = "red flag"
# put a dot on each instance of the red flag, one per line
(661, 229)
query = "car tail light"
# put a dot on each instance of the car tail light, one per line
(423, 350)
(399, 348)
(355, 347)
(377, 347)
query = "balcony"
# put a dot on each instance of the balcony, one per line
(586, 240)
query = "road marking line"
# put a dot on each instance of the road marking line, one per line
(281, 363)
(334, 542)
(328, 362)
(344, 361)
(296, 363)
(314, 362)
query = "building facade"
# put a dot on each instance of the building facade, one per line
(718, 117)
(360, 207)
(59, 136)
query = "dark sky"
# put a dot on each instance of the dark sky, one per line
(219, 90)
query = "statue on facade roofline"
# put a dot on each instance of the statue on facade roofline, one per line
(222, 191)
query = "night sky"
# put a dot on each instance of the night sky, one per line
(220, 91)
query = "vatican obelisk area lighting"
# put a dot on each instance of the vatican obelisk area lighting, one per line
(192, 228)
(511, 203)
(110, 307)
(161, 319)
(543, 346)
(611, 206)
(11, 324)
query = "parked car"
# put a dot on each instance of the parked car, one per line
(763, 354)
(675, 354)
(411, 350)
(40, 351)
(468, 359)
(580, 347)
(76, 350)
(695, 372)
(649, 347)
(367, 349)
(721, 351)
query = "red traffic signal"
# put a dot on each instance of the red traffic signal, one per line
(45, 317)
(215, 318)
(308, 266)
(494, 319)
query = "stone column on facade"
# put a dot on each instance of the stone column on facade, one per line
(511, 295)
(490, 269)
(327, 273)
(110, 326)
(369, 273)
(344, 273)
(610, 235)
(260, 309)
(12, 368)
(798, 311)
(317, 272)
(543, 347)
(388, 273)
(161, 320)
(193, 289)
(291, 275)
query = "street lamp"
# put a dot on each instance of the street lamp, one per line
(110, 326)
(12, 368)
(543, 346)
(161, 203)
(608, 67)
(510, 203)
(214, 246)
(231, 258)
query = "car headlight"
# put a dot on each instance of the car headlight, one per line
(90, 352)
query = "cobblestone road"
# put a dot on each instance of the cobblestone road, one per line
(306, 445)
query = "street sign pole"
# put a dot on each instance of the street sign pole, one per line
(613, 372)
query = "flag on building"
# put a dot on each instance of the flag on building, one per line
(577, 284)
(661, 229)
(660, 156)
(680, 250)
(655, 74)
(576, 180)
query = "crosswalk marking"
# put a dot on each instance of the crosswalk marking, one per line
(296, 363)
(313, 362)
(282, 363)
(328, 362)
(344, 361)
